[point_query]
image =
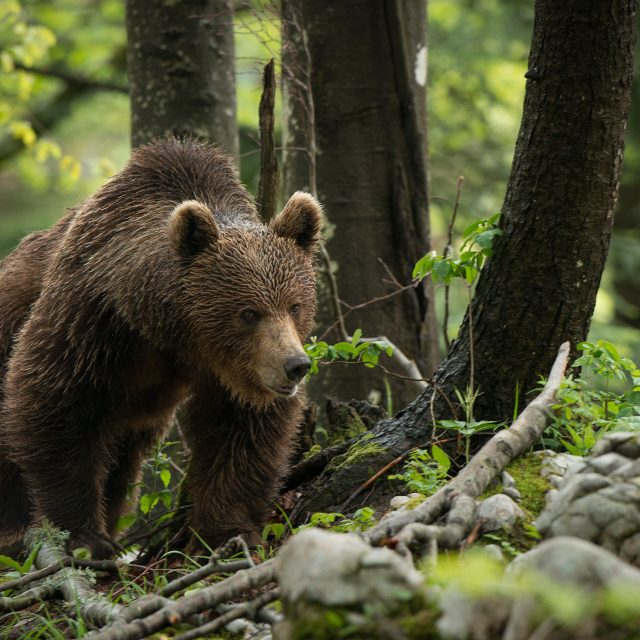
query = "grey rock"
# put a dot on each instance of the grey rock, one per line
(494, 552)
(626, 444)
(498, 512)
(507, 480)
(600, 500)
(550, 497)
(630, 550)
(398, 502)
(577, 564)
(513, 493)
(574, 561)
(332, 569)
(627, 471)
(607, 463)
(558, 463)
(555, 480)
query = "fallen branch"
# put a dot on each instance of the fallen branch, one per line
(174, 612)
(67, 561)
(246, 609)
(76, 587)
(476, 477)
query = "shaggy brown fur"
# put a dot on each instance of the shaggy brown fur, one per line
(138, 300)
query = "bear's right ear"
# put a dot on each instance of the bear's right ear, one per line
(192, 228)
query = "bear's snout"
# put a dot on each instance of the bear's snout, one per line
(297, 367)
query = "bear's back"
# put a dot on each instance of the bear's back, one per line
(162, 174)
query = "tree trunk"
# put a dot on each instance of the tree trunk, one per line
(539, 288)
(354, 76)
(180, 59)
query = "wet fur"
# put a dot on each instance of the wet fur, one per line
(123, 311)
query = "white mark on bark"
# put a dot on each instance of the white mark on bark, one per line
(421, 66)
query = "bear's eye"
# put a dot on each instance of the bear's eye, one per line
(295, 309)
(249, 315)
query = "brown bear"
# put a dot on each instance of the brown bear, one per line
(162, 289)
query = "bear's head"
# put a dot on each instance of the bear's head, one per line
(250, 295)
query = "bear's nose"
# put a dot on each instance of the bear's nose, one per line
(296, 368)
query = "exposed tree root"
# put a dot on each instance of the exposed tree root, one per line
(457, 496)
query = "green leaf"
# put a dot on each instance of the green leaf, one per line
(11, 563)
(165, 477)
(424, 265)
(146, 503)
(441, 270)
(441, 458)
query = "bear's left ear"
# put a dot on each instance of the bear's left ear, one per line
(192, 228)
(300, 220)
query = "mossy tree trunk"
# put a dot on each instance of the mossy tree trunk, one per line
(180, 58)
(354, 76)
(539, 289)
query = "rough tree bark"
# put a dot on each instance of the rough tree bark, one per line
(354, 76)
(539, 288)
(180, 58)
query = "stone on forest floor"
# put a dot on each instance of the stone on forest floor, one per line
(599, 499)
(340, 570)
(583, 571)
(498, 512)
(398, 502)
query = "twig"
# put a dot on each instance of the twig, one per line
(333, 290)
(67, 561)
(362, 305)
(447, 251)
(474, 479)
(386, 296)
(28, 598)
(267, 194)
(209, 569)
(176, 611)
(246, 609)
(384, 469)
(72, 79)
(76, 588)
(472, 359)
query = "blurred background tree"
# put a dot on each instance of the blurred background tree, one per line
(64, 121)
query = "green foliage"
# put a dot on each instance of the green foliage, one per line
(20, 568)
(160, 468)
(476, 247)
(585, 411)
(27, 42)
(605, 360)
(157, 501)
(425, 472)
(361, 520)
(357, 350)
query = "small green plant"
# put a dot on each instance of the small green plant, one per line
(361, 520)
(157, 494)
(476, 247)
(358, 350)
(585, 411)
(425, 472)
(19, 568)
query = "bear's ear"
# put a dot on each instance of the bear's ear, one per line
(300, 220)
(192, 228)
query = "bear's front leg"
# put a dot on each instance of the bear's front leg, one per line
(238, 458)
(64, 459)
